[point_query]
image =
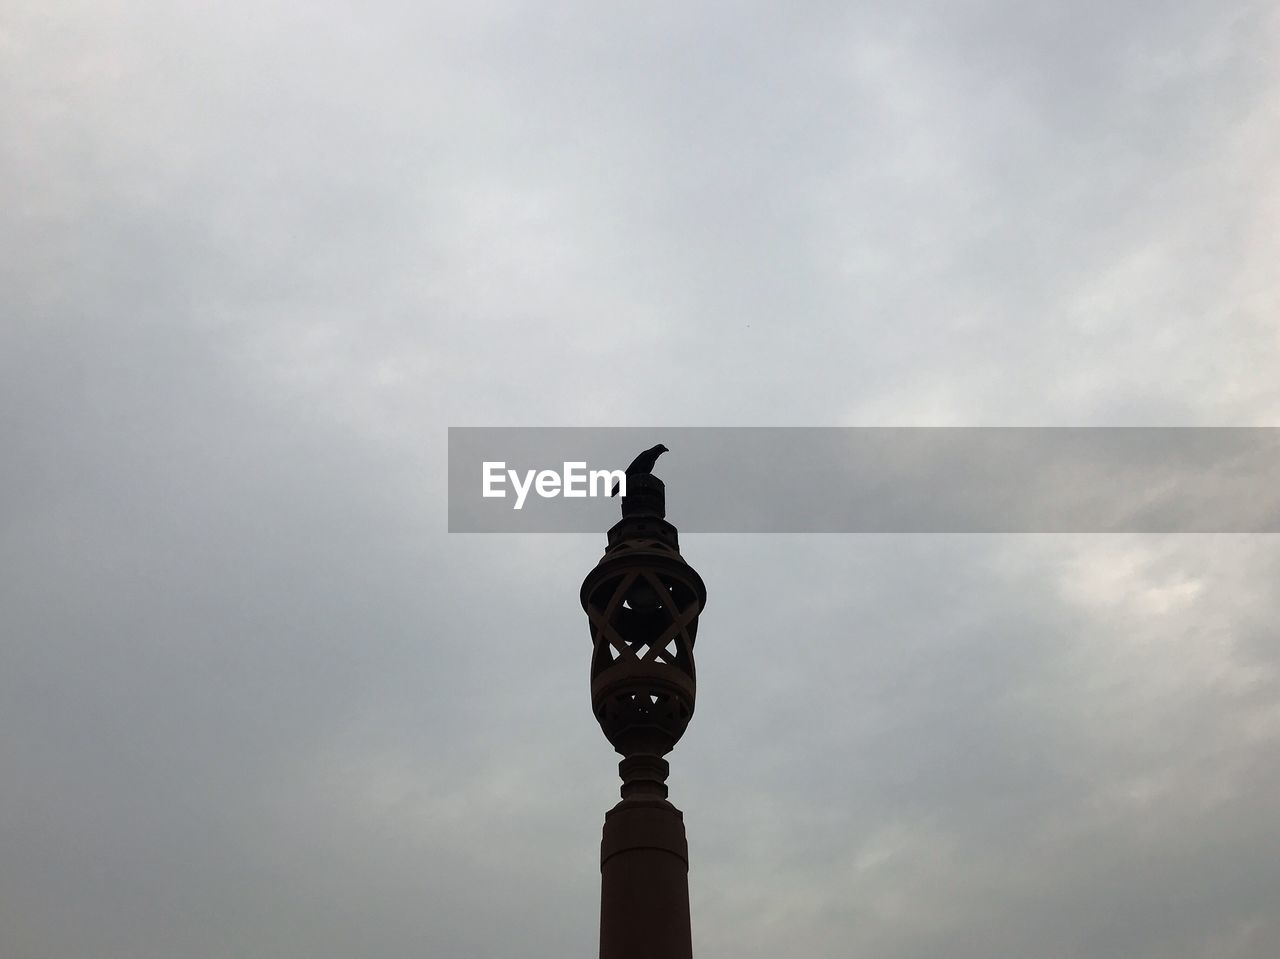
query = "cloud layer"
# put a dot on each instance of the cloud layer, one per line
(254, 701)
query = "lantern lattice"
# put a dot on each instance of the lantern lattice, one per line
(643, 601)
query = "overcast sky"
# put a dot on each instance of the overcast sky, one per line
(256, 702)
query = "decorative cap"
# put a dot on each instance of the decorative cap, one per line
(646, 496)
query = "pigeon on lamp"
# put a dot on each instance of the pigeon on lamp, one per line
(642, 463)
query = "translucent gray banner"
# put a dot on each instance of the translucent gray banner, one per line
(876, 480)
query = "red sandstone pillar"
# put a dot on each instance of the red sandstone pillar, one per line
(643, 601)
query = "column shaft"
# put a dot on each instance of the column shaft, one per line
(644, 883)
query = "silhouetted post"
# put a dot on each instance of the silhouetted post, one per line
(643, 601)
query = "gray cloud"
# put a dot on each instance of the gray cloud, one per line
(255, 701)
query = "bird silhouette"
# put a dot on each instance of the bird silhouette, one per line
(642, 464)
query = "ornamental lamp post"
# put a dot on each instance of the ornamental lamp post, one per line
(643, 601)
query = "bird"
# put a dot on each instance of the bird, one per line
(642, 464)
